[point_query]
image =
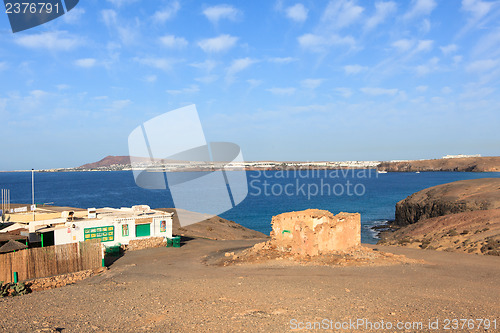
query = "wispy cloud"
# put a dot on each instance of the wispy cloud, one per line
(354, 69)
(127, 33)
(53, 41)
(119, 3)
(74, 16)
(375, 91)
(481, 66)
(282, 91)
(188, 90)
(218, 44)
(420, 8)
(207, 65)
(297, 13)
(282, 60)
(382, 11)
(344, 92)
(166, 13)
(342, 13)
(164, 64)
(318, 43)
(237, 66)
(174, 42)
(86, 62)
(451, 48)
(311, 83)
(216, 13)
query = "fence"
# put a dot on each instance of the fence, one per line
(50, 260)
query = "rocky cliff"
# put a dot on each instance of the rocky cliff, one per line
(470, 164)
(456, 197)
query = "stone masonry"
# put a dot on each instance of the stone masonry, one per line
(314, 232)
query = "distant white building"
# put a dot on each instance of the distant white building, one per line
(110, 225)
(461, 156)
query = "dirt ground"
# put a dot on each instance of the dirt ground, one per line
(178, 290)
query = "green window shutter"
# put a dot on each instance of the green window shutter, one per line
(142, 230)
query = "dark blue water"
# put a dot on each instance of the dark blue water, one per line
(270, 193)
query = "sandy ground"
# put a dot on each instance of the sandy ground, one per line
(174, 290)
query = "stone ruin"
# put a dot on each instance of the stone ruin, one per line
(315, 232)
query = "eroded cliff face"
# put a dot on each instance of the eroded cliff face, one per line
(452, 198)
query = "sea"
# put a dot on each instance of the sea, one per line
(270, 193)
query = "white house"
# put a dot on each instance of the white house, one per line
(110, 225)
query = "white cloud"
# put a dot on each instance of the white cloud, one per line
(421, 88)
(297, 13)
(282, 60)
(430, 66)
(403, 45)
(119, 3)
(449, 49)
(374, 91)
(254, 83)
(118, 105)
(457, 59)
(188, 90)
(173, 42)
(62, 86)
(424, 45)
(218, 44)
(354, 69)
(420, 8)
(446, 90)
(382, 11)
(159, 63)
(207, 79)
(317, 43)
(488, 45)
(481, 66)
(150, 78)
(165, 14)
(344, 92)
(3, 66)
(86, 62)
(73, 16)
(207, 65)
(342, 13)
(53, 41)
(216, 13)
(282, 91)
(425, 26)
(311, 83)
(237, 66)
(477, 8)
(126, 33)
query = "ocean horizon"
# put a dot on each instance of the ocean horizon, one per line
(270, 193)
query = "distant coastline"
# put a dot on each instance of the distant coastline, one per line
(459, 164)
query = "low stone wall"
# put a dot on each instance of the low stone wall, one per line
(313, 232)
(62, 280)
(139, 244)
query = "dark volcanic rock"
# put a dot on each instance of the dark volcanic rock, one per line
(456, 197)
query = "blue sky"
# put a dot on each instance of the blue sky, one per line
(286, 80)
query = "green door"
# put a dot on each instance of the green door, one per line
(142, 230)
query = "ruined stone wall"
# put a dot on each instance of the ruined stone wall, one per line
(313, 232)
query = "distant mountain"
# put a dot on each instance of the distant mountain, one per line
(471, 164)
(107, 161)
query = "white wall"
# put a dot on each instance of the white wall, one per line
(71, 235)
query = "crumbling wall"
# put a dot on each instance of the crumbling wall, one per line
(313, 232)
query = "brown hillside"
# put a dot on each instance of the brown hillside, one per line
(471, 164)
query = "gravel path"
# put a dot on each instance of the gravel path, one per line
(172, 290)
